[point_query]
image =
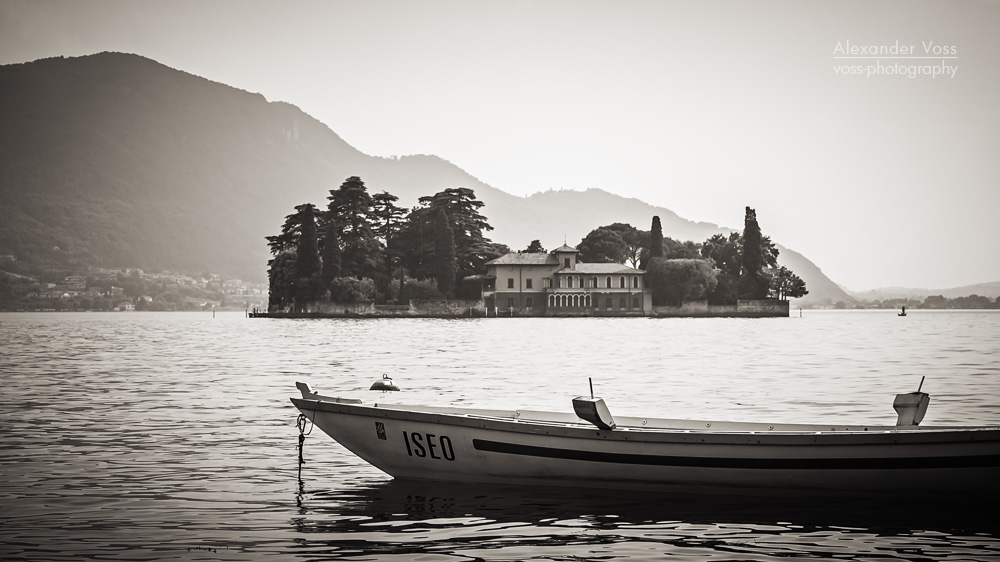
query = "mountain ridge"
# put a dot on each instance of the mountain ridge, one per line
(116, 159)
(988, 289)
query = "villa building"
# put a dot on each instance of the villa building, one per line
(558, 284)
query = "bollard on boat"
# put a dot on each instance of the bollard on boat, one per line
(384, 384)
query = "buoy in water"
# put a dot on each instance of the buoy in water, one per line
(384, 384)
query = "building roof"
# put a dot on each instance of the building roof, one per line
(525, 258)
(565, 248)
(603, 269)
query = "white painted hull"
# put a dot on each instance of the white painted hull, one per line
(458, 445)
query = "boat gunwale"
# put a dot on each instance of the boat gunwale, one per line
(773, 434)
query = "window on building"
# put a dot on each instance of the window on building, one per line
(635, 303)
(547, 283)
(621, 282)
(608, 303)
(621, 303)
(593, 282)
(607, 282)
(566, 263)
(510, 283)
(510, 303)
(527, 283)
(528, 302)
(635, 282)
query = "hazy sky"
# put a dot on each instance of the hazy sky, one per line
(701, 107)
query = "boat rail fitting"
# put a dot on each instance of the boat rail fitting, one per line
(911, 406)
(305, 389)
(593, 410)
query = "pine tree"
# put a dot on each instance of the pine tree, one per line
(785, 284)
(535, 247)
(350, 208)
(417, 240)
(331, 253)
(387, 218)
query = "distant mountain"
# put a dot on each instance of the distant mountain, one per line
(116, 160)
(991, 290)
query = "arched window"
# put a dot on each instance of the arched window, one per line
(593, 282)
(552, 300)
(569, 282)
(588, 299)
(621, 281)
(635, 282)
(608, 282)
(576, 301)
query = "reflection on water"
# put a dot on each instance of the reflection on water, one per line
(477, 521)
(153, 436)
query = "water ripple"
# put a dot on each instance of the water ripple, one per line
(170, 437)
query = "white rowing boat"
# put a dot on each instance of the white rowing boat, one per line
(590, 448)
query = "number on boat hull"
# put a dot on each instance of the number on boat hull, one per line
(429, 445)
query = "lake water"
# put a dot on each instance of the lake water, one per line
(169, 436)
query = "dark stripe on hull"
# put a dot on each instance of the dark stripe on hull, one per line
(971, 461)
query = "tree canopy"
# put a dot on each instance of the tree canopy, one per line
(603, 245)
(785, 284)
(372, 240)
(350, 209)
(441, 241)
(677, 280)
(535, 247)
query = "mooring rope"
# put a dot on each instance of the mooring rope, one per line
(301, 423)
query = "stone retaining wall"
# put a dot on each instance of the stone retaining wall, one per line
(476, 309)
(769, 308)
(415, 308)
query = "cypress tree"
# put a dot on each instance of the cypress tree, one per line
(656, 239)
(444, 254)
(307, 262)
(753, 283)
(655, 249)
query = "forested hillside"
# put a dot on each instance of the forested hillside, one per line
(116, 160)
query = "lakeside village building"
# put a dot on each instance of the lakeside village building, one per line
(557, 284)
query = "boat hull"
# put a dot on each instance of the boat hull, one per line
(473, 447)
